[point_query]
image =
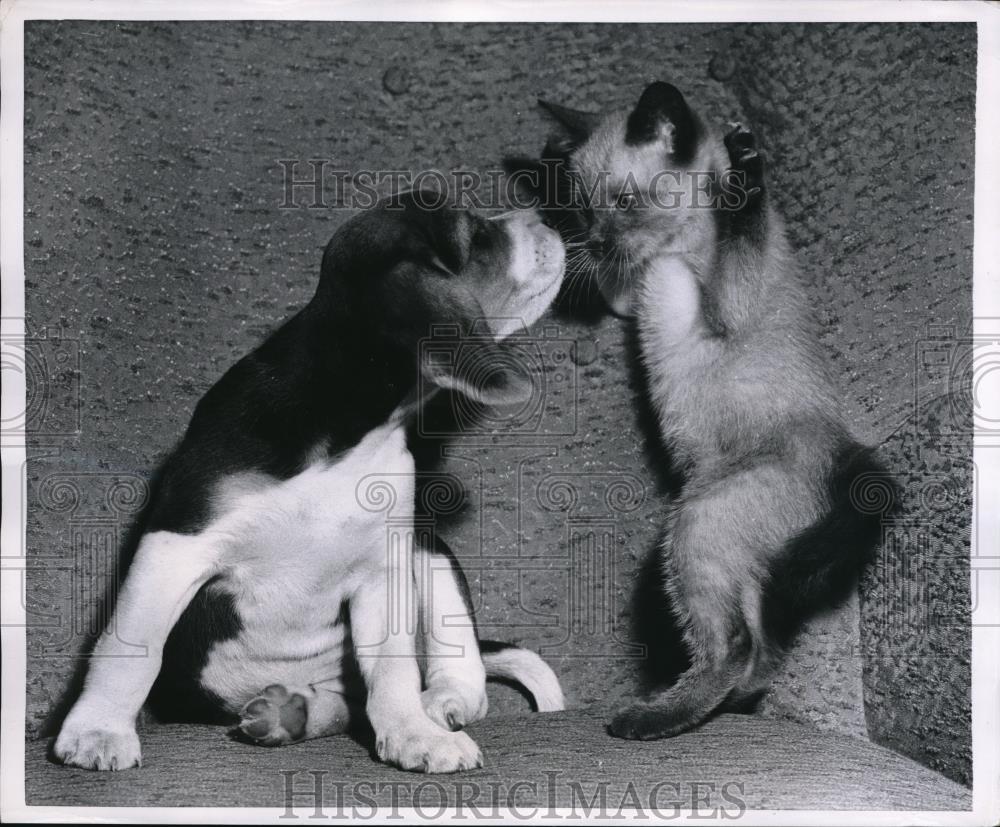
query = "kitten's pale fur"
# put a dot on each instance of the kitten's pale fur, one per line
(766, 531)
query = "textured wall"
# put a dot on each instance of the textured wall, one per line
(873, 140)
(156, 254)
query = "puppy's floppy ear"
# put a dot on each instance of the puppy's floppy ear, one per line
(577, 123)
(482, 369)
(446, 231)
(452, 241)
(662, 104)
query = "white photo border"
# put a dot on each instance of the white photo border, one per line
(986, 308)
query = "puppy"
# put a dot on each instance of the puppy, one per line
(267, 541)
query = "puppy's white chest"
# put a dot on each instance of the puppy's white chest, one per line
(323, 523)
(296, 551)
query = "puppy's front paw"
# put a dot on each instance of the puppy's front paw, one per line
(98, 748)
(275, 717)
(453, 705)
(429, 749)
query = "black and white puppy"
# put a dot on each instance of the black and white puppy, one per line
(259, 527)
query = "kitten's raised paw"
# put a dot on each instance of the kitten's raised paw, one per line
(275, 717)
(745, 159)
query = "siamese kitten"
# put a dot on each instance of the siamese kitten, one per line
(676, 225)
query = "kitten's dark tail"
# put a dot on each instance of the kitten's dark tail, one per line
(699, 692)
(819, 567)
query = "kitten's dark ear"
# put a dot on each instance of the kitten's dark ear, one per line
(662, 104)
(577, 123)
(481, 369)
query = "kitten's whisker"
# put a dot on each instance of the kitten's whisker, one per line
(619, 273)
(583, 269)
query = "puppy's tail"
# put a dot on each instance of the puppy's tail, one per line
(522, 666)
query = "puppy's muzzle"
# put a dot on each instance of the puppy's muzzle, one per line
(537, 252)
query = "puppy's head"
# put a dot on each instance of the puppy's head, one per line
(409, 267)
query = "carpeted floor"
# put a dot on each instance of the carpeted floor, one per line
(731, 765)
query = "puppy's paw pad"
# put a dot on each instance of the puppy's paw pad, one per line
(454, 706)
(97, 749)
(431, 751)
(275, 717)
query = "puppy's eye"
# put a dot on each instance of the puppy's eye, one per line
(441, 267)
(627, 202)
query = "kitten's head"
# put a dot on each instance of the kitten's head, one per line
(637, 179)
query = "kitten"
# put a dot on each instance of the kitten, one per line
(677, 227)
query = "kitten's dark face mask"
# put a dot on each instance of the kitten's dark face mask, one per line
(615, 186)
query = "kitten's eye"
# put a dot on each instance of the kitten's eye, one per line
(627, 202)
(481, 237)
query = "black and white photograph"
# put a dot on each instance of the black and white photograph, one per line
(500, 412)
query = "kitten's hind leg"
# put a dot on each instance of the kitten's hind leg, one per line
(698, 553)
(698, 693)
(711, 558)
